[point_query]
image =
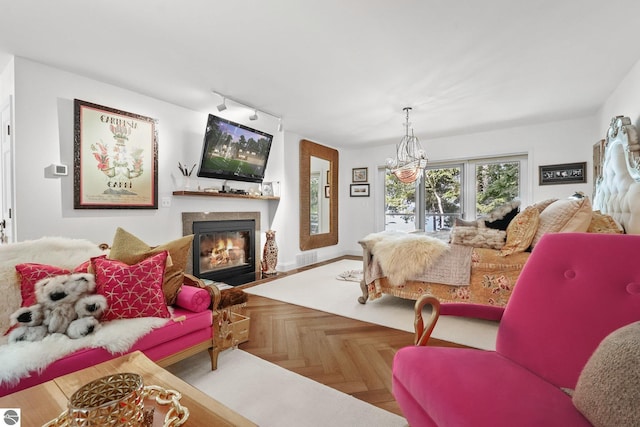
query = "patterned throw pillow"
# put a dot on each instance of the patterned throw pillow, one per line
(521, 231)
(31, 273)
(129, 249)
(564, 216)
(602, 223)
(131, 290)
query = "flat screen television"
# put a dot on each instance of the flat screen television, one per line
(233, 151)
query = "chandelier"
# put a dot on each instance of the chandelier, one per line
(410, 158)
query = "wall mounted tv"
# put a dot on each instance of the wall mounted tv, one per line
(233, 151)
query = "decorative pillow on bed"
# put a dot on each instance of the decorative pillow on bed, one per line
(30, 273)
(131, 290)
(603, 223)
(543, 204)
(500, 217)
(131, 250)
(564, 216)
(607, 392)
(478, 237)
(521, 231)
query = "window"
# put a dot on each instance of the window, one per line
(466, 189)
(399, 204)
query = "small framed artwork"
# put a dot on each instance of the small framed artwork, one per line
(359, 190)
(115, 159)
(327, 191)
(267, 189)
(565, 173)
(328, 177)
(359, 175)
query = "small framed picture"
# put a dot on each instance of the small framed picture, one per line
(566, 173)
(359, 190)
(267, 189)
(359, 175)
(327, 191)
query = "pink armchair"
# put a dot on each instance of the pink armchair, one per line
(575, 289)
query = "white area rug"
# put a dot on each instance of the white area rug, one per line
(270, 395)
(321, 289)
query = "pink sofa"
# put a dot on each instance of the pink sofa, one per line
(187, 332)
(574, 291)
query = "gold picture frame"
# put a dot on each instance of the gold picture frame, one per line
(115, 159)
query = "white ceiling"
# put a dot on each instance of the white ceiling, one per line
(340, 72)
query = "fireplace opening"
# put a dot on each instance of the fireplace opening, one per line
(224, 251)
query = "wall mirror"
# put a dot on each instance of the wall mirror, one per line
(318, 195)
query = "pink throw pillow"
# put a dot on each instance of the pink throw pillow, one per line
(132, 290)
(193, 299)
(31, 273)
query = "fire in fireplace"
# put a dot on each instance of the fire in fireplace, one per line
(224, 251)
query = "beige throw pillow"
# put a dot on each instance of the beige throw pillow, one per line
(131, 250)
(607, 392)
(564, 216)
(521, 231)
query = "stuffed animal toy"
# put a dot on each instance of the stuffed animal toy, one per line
(65, 304)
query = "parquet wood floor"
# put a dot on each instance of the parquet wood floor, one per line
(348, 355)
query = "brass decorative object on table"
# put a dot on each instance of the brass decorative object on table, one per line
(118, 399)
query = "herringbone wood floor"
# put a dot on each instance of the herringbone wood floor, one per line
(348, 355)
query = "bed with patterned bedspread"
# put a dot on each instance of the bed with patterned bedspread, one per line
(493, 269)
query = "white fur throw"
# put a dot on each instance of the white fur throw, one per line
(18, 359)
(56, 251)
(403, 256)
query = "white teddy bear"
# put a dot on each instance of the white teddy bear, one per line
(65, 304)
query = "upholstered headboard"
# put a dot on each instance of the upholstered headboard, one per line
(617, 191)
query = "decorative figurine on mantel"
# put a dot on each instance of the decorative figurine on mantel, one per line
(270, 254)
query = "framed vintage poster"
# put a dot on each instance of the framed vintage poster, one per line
(566, 173)
(359, 190)
(359, 175)
(115, 159)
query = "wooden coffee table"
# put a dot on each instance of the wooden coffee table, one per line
(44, 402)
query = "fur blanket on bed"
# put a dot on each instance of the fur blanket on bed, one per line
(18, 360)
(403, 256)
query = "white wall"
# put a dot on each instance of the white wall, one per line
(624, 101)
(44, 131)
(566, 141)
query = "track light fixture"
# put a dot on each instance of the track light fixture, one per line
(252, 117)
(222, 106)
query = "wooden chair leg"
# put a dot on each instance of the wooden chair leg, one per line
(214, 352)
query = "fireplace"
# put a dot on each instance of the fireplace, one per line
(225, 246)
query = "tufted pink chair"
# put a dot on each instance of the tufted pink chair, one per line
(574, 290)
